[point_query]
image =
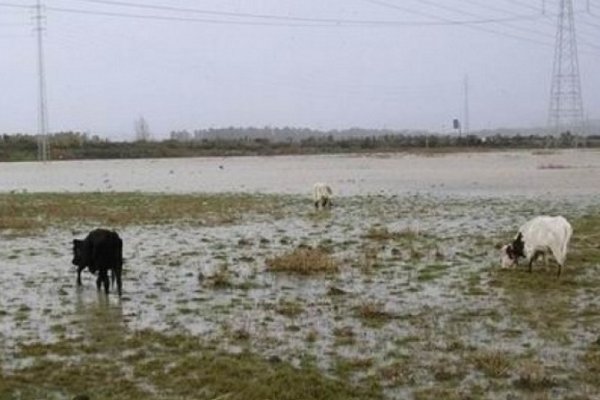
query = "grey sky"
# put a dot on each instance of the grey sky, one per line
(103, 72)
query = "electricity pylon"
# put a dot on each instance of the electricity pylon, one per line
(566, 106)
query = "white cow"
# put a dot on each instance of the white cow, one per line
(537, 237)
(322, 194)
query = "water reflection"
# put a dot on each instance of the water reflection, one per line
(99, 317)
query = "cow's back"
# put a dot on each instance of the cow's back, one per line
(545, 231)
(106, 248)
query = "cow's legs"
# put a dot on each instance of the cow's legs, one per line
(103, 280)
(112, 278)
(117, 272)
(79, 269)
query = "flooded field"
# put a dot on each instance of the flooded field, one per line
(396, 292)
(540, 172)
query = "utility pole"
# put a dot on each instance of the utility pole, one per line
(466, 112)
(566, 106)
(42, 138)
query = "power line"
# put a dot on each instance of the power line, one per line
(13, 5)
(547, 18)
(229, 13)
(503, 10)
(460, 11)
(481, 28)
(542, 7)
(312, 22)
(172, 18)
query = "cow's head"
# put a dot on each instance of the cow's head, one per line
(507, 256)
(518, 246)
(510, 253)
(79, 256)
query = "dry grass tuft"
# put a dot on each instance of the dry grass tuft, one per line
(373, 313)
(289, 308)
(344, 335)
(26, 212)
(495, 364)
(397, 374)
(533, 377)
(303, 261)
(383, 233)
(221, 279)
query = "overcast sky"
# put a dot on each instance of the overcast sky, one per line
(312, 63)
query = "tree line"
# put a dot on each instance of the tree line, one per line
(268, 141)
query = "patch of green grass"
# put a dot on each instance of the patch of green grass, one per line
(22, 313)
(431, 272)
(591, 362)
(437, 393)
(344, 367)
(167, 367)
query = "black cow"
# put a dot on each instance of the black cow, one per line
(100, 251)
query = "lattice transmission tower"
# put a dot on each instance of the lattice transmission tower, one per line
(566, 106)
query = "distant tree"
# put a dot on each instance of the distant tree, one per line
(181, 136)
(567, 139)
(142, 131)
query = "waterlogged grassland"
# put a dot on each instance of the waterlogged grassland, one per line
(256, 297)
(23, 213)
(147, 364)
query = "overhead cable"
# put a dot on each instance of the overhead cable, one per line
(477, 27)
(329, 21)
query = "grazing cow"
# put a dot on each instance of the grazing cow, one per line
(536, 237)
(100, 251)
(322, 195)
